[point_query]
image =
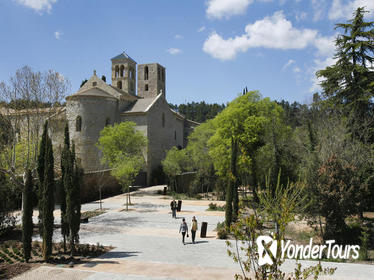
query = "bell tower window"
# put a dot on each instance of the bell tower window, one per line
(119, 84)
(122, 71)
(146, 87)
(146, 73)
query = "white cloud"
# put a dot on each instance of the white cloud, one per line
(344, 9)
(274, 32)
(289, 63)
(201, 29)
(37, 5)
(177, 36)
(226, 8)
(325, 45)
(296, 69)
(174, 51)
(58, 35)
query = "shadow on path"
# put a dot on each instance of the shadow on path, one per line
(117, 255)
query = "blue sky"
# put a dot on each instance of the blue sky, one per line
(211, 49)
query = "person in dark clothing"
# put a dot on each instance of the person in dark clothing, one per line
(173, 206)
(183, 229)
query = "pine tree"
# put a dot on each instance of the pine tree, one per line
(65, 159)
(27, 225)
(350, 82)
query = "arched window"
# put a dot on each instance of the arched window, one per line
(175, 135)
(146, 73)
(116, 71)
(122, 71)
(163, 75)
(78, 123)
(158, 73)
(163, 119)
(107, 121)
(130, 73)
(119, 84)
(146, 87)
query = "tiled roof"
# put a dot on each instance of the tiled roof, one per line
(141, 105)
(122, 56)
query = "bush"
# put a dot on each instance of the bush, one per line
(221, 230)
(364, 244)
(214, 207)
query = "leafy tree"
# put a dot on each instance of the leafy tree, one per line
(337, 186)
(27, 225)
(175, 162)
(349, 83)
(46, 192)
(123, 150)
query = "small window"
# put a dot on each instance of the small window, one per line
(146, 87)
(146, 73)
(78, 123)
(94, 84)
(163, 119)
(119, 84)
(163, 75)
(175, 135)
(107, 121)
(158, 73)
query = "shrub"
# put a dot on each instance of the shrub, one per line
(221, 230)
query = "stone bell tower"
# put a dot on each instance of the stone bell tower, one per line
(151, 80)
(124, 73)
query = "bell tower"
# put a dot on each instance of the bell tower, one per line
(151, 80)
(124, 73)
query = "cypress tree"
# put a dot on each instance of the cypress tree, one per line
(27, 225)
(40, 169)
(46, 202)
(65, 159)
(230, 191)
(235, 182)
(73, 203)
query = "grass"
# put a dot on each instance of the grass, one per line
(91, 214)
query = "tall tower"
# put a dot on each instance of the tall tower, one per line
(124, 73)
(151, 80)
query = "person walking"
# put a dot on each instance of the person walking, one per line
(173, 206)
(193, 229)
(183, 229)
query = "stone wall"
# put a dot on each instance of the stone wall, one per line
(94, 112)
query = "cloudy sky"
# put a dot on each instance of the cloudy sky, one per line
(211, 49)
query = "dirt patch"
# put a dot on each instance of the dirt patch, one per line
(8, 271)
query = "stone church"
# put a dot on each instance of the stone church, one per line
(98, 104)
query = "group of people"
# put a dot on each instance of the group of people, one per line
(184, 227)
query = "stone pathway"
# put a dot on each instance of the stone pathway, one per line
(148, 245)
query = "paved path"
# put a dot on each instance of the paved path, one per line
(148, 245)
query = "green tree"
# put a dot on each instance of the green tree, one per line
(174, 164)
(349, 83)
(123, 150)
(27, 225)
(46, 204)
